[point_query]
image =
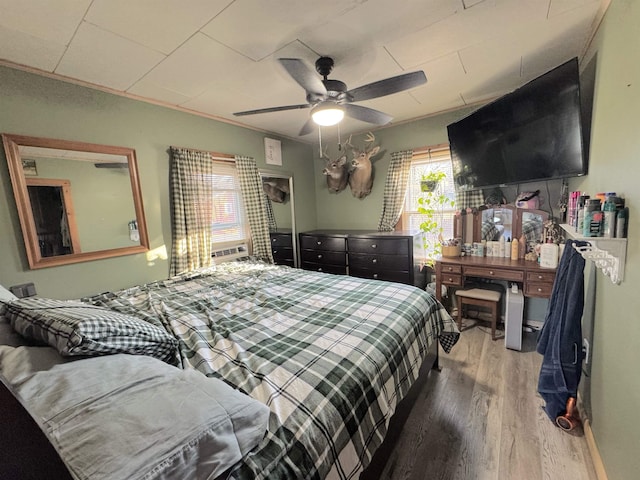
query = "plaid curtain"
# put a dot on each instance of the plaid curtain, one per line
(192, 207)
(395, 189)
(469, 199)
(252, 193)
(271, 219)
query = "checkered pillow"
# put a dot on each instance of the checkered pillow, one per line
(76, 328)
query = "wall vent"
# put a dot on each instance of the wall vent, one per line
(230, 253)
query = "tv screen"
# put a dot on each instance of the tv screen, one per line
(531, 134)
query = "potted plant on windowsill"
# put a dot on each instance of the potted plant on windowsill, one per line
(431, 204)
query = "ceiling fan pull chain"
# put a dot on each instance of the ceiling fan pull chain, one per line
(320, 138)
(339, 144)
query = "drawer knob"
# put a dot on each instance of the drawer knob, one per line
(450, 279)
(320, 269)
(275, 251)
(539, 277)
(320, 256)
(539, 290)
(450, 269)
(375, 275)
(490, 272)
(274, 239)
(374, 245)
(319, 242)
(375, 260)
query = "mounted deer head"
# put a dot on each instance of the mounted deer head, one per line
(337, 172)
(361, 177)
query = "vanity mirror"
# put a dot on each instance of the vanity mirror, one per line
(531, 225)
(495, 223)
(76, 201)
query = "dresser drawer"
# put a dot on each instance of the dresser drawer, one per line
(541, 277)
(399, 277)
(317, 267)
(535, 289)
(502, 274)
(384, 246)
(392, 263)
(282, 253)
(324, 257)
(452, 279)
(281, 240)
(451, 268)
(317, 242)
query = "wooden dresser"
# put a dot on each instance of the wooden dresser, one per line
(455, 271)
(282, 247)
(361, 253)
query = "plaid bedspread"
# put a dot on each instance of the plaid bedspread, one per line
(330, 355)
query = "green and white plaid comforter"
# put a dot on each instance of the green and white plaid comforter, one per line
(330, 355)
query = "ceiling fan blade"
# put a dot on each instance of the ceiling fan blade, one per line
(272, 109)
(387, 86)
(307, 128)
(301, 73)
(366, 114)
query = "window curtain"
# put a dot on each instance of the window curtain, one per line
(252, 193)
(469, 199)
(192, 207)
(395, 190)
(271, 219)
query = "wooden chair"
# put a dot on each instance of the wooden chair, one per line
(479, 297)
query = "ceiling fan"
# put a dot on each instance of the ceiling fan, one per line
(330, 100)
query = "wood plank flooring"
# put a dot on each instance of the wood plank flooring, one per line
(481, 418)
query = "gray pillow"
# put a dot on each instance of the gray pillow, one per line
(136, 417)
(76, 328)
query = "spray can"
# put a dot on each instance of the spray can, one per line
(609, 220)
(621, 222)
(582, 200)
(592, 223)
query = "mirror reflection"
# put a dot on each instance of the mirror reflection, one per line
(497, 223)
(532, 226)
(76, 201)
(278, 197)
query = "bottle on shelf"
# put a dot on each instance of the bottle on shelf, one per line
(609, 220)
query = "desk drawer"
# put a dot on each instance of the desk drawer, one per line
(451, 268)
(541, 277)
(452, 279)
(502, 274)
(535, 289)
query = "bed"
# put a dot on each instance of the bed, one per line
(329, 356)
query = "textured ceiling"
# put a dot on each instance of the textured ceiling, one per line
(217, 57)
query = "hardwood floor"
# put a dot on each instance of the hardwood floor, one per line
(481, 418)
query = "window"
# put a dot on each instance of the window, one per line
(229, 224)
(432, 159)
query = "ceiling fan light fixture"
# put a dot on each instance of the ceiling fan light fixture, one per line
(327, 114)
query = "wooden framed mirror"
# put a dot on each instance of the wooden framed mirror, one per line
(496, 222)
(531, 225)
(76, 201)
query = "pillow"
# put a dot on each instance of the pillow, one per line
(157, 421)
(76, 328)
(6, 295)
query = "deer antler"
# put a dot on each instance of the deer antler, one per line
(370, 138)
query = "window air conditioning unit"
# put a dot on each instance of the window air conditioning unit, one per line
(231, 253)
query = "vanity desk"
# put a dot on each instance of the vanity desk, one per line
(455, 271)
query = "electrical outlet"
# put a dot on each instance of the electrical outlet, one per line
(585, 350)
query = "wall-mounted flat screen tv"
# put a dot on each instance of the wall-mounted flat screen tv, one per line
(531, 134)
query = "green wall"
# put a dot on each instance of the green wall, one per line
(39, 106)
(615, 166)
